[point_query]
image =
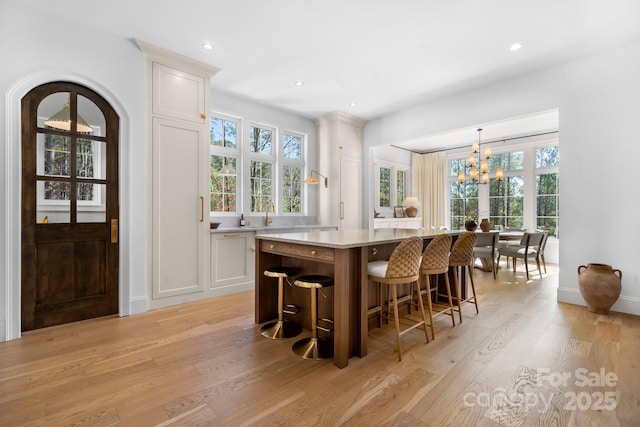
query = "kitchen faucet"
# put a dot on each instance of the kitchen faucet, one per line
(267, 220)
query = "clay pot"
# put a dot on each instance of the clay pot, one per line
(600, 286)
(485, 225)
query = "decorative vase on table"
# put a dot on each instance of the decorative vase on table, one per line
(600, 286)
(470, 225)
(485, 225)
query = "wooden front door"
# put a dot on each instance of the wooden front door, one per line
(69, 206)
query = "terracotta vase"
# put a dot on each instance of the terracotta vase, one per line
(485, 225)
(411, 211)
(600, 286)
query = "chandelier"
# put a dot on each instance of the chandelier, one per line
(478, 160)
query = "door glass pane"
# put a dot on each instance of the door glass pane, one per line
(90, 159)
(90, 118)
(53, 111)
(91, 202)
(54, 205)
(53, 157)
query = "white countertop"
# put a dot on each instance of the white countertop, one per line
(349, 238)
(270, 228)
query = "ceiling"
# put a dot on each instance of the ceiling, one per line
(382, 55)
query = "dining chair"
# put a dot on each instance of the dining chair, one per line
(403, 267)
(529, 249)
(486, 248)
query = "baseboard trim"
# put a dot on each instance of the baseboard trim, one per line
(625, 304)
(138, 305)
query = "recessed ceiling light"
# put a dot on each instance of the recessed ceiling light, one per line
(515, 46)
(207, 46)
(353, 104)
(299, 83)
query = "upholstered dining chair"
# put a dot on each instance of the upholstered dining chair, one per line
(486, 248)
(529, 249)
(435, 261)
(461, 257)
(403, 267)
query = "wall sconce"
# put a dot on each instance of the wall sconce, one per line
(62, 120)
(313, 180)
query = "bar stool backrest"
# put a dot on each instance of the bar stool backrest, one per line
(462, 250)
(436, 254)
(405, 259)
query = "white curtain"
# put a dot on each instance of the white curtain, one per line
(428, 184)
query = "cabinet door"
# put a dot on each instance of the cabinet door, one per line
(350, 192)
(232, 259)
(178, 94)
(180, 204)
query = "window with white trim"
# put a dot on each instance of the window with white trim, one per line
(224, 151)
(392, 186)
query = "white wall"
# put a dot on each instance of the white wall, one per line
(599, 104)
(37, 48)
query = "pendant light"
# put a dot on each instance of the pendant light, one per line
(62, 120)
(479, 165)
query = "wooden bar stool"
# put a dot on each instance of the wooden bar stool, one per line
(280, 329)
(312, 348)
(402, 268)
(435, 261)
(462, 256)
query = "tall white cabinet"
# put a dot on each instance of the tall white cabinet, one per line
(179, 153)
(340, 141)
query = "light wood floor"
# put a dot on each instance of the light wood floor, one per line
(521, 362)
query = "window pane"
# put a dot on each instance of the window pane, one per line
(224, 133)
(400, 187)
(54, 155)
(58, 210)
(547, 203)
(292, 189)
(463, 203)
(506, 202)
(385, 187)
(547, 156)
(89, 114)
(260, 186)
(90, 157)
(507, 161)
(223, 187)
(260, 140)
(456, 166)
(93, 208)
(53, 107)
(291, 147)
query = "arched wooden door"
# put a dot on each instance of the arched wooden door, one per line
(69, 206)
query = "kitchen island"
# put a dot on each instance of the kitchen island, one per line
(342, 255)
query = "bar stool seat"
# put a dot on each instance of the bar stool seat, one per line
(280, 329)
(313, 348)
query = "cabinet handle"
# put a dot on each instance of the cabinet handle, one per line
(314, 252)
(374, 251)
(232, 235)
(341, 210)
(272, 246)
(203, 116)
(201, 209)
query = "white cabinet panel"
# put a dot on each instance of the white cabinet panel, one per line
(232, 259)
(178, 230)
(178, 94)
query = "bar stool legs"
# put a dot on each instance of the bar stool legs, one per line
(281, 329)
(313, 348)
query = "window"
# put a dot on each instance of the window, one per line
(547, 185)
(224, 151)
(260, 186)
(292, 167)
(527, 197)
(268, 163)
(391, 186)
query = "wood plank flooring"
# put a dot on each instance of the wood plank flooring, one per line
(525, 360)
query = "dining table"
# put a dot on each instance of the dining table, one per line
(340, 254)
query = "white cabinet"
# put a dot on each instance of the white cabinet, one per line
(179, 152)
(340, 140)
(232, 262)
(411, 223)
